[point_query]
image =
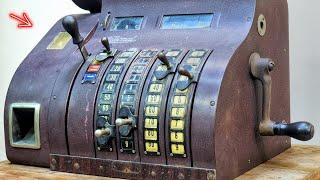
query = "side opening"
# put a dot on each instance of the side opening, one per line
(24, 125)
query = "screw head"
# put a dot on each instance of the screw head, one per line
(76, 166)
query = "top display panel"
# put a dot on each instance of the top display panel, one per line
(188, 21)
(126, 23)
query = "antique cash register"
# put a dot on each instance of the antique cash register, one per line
(156, 89)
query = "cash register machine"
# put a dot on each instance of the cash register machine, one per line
(156, 89)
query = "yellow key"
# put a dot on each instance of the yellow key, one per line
(177, 137)
(178, 112)
(151, 123)
(152, 111)
(153, 99)
(180, 100)
(177, 125)
(177, 149)
(151, 147)
(156, 88)
(150, 135)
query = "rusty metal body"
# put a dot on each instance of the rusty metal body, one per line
(221, 119)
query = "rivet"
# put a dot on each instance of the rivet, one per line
(210, 176)
(121, 150)
(212, 103)
(133, 151)
(54, 97)
(171, 154)
(76, 166)
(158, 153)
(145, 152)
(110, 149)
(53, 161)
(101, 168)
(249, 161)
(153, 173)
(180, 176)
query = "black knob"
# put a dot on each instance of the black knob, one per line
(106, 44)
(302, 131)
(186, 71)
(163, 58)
(70, 24)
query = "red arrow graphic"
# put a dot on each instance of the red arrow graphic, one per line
(23, 20)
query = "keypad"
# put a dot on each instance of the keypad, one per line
(107, 93)
(179, 105)
(153, 101)
(129, 97)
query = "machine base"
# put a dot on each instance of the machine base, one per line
(126, 169)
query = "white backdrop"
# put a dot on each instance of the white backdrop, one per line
(304, 48)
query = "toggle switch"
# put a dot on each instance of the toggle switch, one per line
(186, 77)
(186, 71)
(107, 51)
(106, 44)
(163, 58)
(163, 69)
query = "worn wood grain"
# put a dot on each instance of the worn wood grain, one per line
(299, 162)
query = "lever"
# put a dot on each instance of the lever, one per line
(260, 70)
(126, 122)
(106, 44)
(186, 71)
(163, 58)
(70, 24)
(121, 122)
(102, 132)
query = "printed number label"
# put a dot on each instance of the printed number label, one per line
(151, 111)
(156, 88)
(151, 123)
(178, 112)
(153, 99)
(180, 100)
(151, 147)
(177, 125)
(150, 135)
(177, 149)
(177, 137)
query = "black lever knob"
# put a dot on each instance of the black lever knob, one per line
(163, 58)
(106, 44)
(70, 24)
(302, 131)
(186, 71)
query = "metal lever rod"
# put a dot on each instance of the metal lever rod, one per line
(70, 24)
(260, 69)
(102, 132)
(127, 121)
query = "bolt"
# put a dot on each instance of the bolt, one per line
(180, 176)
(210, 176)
(76, 166)
(212, 103)
(153, 173)
(53, 161)
(101, 168)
